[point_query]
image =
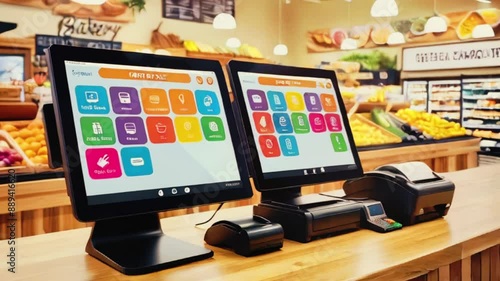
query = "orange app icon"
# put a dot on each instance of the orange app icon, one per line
(263, 122)
(154, 101)
(182, 101)
(199, 80)
(160, 129)
(210, 80)
(329, 102)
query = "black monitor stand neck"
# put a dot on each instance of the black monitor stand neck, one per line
(136, 245)
(282, 195)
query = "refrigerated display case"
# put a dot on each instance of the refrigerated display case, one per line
(439, 96)
(415, 91)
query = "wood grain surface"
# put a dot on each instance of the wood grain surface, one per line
(472, 226)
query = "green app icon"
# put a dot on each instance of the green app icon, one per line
(213, 129)
(300, 123)
(338, 142)
(97, 131)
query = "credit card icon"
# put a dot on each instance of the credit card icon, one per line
(137, 161)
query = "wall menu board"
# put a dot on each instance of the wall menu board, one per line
(452, 56)
(196, 10)
(42, 42)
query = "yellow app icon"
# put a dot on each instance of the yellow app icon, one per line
(188, 129)
(294, 101)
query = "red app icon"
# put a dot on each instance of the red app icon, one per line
(263, 122)
(333, 122)
(269, 146)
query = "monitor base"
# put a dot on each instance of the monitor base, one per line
(309, 217)
(136, 245)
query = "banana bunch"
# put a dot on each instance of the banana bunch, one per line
(378, 96)
(190, 46)
(250, 51)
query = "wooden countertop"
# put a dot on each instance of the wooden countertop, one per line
(472, 225)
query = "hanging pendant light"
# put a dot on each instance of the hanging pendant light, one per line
(280, 49)
(384, 8)
(224, 21)
(483, 31)
(435, 23)
(233, 42)
(396, 38)
(349, 43)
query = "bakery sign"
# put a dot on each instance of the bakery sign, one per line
(452, 56)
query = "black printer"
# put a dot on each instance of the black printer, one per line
(410, 192)
(307, 217)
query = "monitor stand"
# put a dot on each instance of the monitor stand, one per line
(136, 245)
(308, 217)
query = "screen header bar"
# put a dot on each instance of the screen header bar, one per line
(131, 74)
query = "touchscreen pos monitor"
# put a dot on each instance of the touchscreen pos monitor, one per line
(298, 134)
(140, 134)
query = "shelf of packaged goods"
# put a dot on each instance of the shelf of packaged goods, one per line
(481, 126)
(482, 108)
(44, 205)
(480, 97)
(444, 108)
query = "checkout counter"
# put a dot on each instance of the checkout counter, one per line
(464, 245)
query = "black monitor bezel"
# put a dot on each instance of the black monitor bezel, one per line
(253, 160)
(57, 55)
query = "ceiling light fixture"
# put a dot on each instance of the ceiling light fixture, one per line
(396, 38)
(280, 49)
(233, 42)
(384, 8)
(349, 43)
(483, 31)
(435, 23)
(484, 1)
(224, 21)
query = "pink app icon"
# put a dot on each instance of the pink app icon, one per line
(103, 163)
(317, 122)
(333, 122)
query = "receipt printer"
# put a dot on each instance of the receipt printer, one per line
(410, 192)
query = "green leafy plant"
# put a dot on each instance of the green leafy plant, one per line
(139, 5)
(373, 61)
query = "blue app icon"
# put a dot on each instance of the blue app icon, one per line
(207, 102)
(282, 123)
(289, 146)
(277, 101)
(136, 161)
(92, 100)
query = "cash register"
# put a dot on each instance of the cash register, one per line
(410, 192)
(297, 133)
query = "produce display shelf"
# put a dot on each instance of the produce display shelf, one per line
(423, 142)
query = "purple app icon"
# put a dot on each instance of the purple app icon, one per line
(313, 103)
(125, 100)
(257, 100)
(131, 130)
